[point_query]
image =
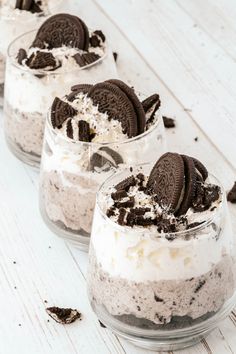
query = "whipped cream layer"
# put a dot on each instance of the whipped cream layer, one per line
(74, 157)
(40, 87)
(138, 256)
(105, 130)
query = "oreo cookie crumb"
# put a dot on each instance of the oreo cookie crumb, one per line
(41, 60)
(84, 131)
(110, 212)
(151, 104)
(200, 285)
(125, 204)
(90, 57)
(126, 183)
(140, 211)
(86, 59)
(157, 298)
(231, 196)
(168, 122)
(63, 315)
(69, 129)
(60, 111)
(80, 60)
(100, 34)
(205, 196)
(101, 324)
(121, 217)
(115, 56)
(35, 8)
(94, 41)
(119, 194)
(21, 56)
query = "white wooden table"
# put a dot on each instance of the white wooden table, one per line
(186, 51)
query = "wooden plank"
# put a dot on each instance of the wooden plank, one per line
(187, 60)
(216, 18)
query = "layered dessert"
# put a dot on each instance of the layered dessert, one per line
(42, 65)
(17, 17)
(91, 132)
(162, 254)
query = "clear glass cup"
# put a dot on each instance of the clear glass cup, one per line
(161, 291)
(16, 22)
(30, 93)
(71, 173)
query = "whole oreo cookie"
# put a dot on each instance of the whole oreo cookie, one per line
(190, 185)
(60, 111)
(113, 101)
(62, 29)
(166, 180)
(141, 118)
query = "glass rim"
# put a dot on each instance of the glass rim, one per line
(97, 144)
(156, 234)
(13, 17)
(42, 72)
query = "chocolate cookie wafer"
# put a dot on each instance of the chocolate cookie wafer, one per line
(113, 101)
(60, 111)
(62, 29)
(150, 105)
(190, 185)
(138, 107)
(166, 180)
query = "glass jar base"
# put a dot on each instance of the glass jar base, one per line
(30, 159)
(74, 238)
(163, 340)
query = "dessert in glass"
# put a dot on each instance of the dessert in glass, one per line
(90, 133)
(18, 17)
(43, 64)
(162, 254)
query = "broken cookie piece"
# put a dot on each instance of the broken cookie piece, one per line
(64, 315)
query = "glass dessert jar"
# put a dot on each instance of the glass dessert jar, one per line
(71, 172)
(29, 93)
(15, 21)
(160, 290)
